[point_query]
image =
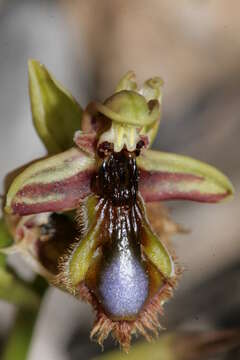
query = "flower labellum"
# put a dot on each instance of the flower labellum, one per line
(112, 258)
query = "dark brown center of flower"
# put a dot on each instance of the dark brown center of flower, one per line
(117, 178)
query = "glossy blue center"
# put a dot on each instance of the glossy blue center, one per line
(123, 285)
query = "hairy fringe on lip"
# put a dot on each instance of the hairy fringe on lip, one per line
(62, 279)
(147, 323)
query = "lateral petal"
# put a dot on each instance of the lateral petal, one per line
(166, 176)
(56, 183)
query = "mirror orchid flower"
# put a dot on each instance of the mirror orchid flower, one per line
(83, 210)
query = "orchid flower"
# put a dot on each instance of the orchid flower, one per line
(82, 210)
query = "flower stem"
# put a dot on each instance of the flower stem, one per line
(19, 340)
(17, 291)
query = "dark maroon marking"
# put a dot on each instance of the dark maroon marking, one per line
(69, 185)
(74, 189)
(28, 209)
(145, 140)
(105, 149)
(151, 189)
(157, 176)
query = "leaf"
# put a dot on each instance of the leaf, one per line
(56, 114)
(56, 183)
(165, 176)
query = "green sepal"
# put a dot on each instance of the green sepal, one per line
(56, 114)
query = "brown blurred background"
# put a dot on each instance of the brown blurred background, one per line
(194, 45)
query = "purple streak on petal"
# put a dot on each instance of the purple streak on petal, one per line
(159, 186)
(72, 190)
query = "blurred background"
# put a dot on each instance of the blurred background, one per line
(194, 45)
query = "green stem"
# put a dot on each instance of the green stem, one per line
(19, 341)
(26, 295)
(13, 289)
(17, 291)
(6, 239)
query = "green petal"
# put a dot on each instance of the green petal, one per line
(152, 89)
(127, 107)
(127, 82)
(56, 114)
(57, 183)
(165, 176)
(156, 252)
(151, 131)
(83, 254)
